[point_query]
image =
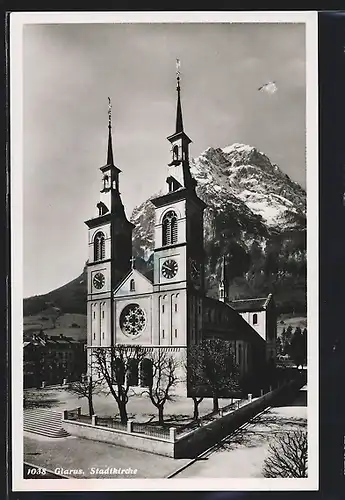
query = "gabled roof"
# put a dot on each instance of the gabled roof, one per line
(143, 284)
(250, 305)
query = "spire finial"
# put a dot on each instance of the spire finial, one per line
(109, 112)
(179, 121)
(223, 272)
(110, 156)
(178, 64)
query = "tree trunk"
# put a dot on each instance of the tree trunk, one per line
(89, 398)
(91, 408)
(215, 404)
(196, 408)
(123, 412)
(160, 415)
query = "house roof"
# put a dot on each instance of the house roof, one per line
(250, 305)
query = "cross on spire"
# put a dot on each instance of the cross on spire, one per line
(132, 262)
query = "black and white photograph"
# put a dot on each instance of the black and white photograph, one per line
(164, 193)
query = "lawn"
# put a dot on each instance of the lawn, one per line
(139, 407)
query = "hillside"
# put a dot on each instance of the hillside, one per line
(70, 298)
(256, 216)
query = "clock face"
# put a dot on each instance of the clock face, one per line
(98, 281)
(195, 272)
(169, 268)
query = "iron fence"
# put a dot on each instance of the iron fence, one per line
(111, 423)
(214, 415)
(151, 430)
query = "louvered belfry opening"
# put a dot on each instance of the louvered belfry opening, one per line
(169, 228)
(99, 246)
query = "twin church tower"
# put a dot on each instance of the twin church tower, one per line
(172, 311)
(123, 306)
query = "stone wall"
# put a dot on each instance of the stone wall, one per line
(202, 438)
(146, 443)
(188, 445)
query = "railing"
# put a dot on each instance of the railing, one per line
(210, 417)
(111, 423)
(151, 430)
(168, 433)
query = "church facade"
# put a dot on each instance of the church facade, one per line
(172, 311)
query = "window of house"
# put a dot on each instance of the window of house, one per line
(162, 334)
(103, 335)
(163, 308)
(175, 333)
(255, 319)
(175, 307)
(94, 315)
(99, 246)
(103, 314)
(132, 285)
(94, 336)
(169, 227)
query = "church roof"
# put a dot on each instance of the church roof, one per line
(250, 305)
(144, 284)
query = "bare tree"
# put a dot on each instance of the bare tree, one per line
(164, 379)
(87, 388)
(212, 371)
(190, 383)
(288, 456)
(117, 365)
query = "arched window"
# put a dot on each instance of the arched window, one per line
(255, 319)
(99, 246)
(175, 152)
(169, 226)
(132, 372)
(132, 285)
(118, 371)
(146, 372)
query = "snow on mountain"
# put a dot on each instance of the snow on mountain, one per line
(241, 171)
(255, 215)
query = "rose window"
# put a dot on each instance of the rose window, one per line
(132, 320)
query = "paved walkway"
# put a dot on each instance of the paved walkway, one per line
(76, 454)
(243, 454)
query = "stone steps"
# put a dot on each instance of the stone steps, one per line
(44, 422)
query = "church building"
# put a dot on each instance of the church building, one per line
(172, 311)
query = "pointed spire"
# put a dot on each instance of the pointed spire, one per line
(179, 121)
(223, 283)
(110, 156)
(222, 275)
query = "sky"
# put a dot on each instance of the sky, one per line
(69, 70)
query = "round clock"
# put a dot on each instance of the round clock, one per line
(98, 280)
(169, 268)
(195, 272)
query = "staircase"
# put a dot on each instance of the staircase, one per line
(44, 422)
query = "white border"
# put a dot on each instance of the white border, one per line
(16, 105)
